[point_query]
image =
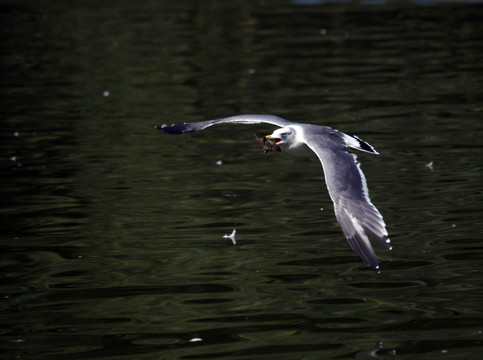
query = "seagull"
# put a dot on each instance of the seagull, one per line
(346, 183)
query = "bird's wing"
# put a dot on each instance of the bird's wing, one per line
(239, 119)
(347, 187)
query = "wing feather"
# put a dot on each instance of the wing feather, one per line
(239, 119)
(347, 186)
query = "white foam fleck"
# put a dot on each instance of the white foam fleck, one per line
(231, 236)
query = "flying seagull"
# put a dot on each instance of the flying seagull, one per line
(346, 183)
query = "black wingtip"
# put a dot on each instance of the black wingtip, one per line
(365, 146)
(173, 129)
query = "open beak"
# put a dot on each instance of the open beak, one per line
(275, 140)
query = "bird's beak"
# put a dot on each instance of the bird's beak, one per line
(275, 140)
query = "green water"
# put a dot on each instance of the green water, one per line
(112, 232)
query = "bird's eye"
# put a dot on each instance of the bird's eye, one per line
(284, 134)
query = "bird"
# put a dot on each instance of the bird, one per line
(345, 181)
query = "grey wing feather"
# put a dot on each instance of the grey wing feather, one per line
(347, 187)
(239, 119)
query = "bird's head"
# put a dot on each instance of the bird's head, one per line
(282, 137)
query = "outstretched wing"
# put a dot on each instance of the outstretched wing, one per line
(347, 186)
(239, 119)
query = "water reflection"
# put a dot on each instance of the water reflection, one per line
(112, 246)
(380, 2)
(372, 353)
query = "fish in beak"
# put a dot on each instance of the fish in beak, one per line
(268, 144)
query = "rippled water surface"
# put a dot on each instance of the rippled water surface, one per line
(112, 232)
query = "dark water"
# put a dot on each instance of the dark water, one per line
(111, 232)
